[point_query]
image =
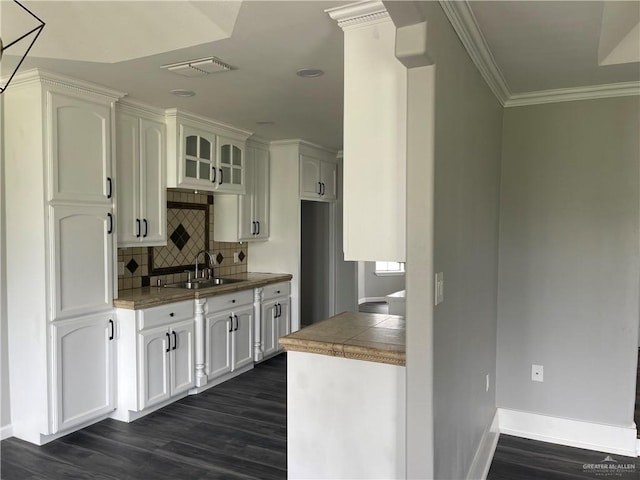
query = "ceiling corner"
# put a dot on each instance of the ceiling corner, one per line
(465, 25)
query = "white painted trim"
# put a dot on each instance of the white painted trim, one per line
(466, 26)
(638, 447)
(481, 463)
(573, 433)
(6, 431)
(358, 13)
(229, 130)
(571, 94)
(299, 142)
(372, 299)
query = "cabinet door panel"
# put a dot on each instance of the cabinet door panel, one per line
(328, 172)
(261, 192)
(218, 345)
(154, 367)
(183, 357)
(198, 166)
(309, 177)
(246, 220)
(269, 330)
(128, 166)
(81, 254)
(243, 337)
(83, 375)
(153, 185)
(231, 165)
(283, 320)
(80, 143)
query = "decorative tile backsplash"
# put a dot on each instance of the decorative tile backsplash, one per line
(189, 230)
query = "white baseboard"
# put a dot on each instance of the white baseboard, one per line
(573, 433)
(6, 431)
(484, 454)
(371, 299)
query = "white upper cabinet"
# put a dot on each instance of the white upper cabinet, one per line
(318, 179)
(242, 218)
(204, 154)
(375, 119)
(80, 149)
(141, 166)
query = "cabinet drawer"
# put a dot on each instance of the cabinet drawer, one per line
(276, 290)
(229, 301)
(164, 314)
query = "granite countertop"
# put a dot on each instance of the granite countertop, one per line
(145, 297)
(362, 336)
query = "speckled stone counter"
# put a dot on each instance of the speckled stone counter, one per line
(360, 336)
(152, 296)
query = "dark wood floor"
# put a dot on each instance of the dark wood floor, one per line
(374, 307)
(236, 430)
(522, 459)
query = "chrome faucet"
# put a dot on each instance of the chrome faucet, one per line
(210, 261)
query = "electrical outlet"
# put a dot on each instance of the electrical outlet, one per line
(439, 288)
(236, 258)
(120, 268)
(486, 389)
(537, 373)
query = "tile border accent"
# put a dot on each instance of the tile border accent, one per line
(180, 268)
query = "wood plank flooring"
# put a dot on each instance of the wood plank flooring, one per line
(522, 459)
(237, 430)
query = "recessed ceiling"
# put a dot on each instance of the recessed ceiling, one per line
(536, 45)
(548, 45)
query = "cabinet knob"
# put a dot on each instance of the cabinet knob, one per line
(277, 291)
(171, 314)
(233, 301)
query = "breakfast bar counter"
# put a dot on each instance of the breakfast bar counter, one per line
(361, 336)
(346, 398)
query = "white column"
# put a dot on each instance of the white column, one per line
(258, 351)
(201, 376)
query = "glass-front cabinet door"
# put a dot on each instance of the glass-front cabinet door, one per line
(199, 165)
(231, 166)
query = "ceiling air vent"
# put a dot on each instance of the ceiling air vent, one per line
(199, 67)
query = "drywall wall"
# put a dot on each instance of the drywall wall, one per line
(314, 268)
(5, 408)
(375, 286)
(569, 259)
(467, 150)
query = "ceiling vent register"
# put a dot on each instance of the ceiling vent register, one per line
(199, 67)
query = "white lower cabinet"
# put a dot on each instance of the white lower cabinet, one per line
(156, 352)
(228, 334)
(275, 317)
(83, 370)
(166, 362)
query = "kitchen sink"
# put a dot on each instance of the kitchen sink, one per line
(202, 283)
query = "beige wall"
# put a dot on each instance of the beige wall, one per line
(569, 259)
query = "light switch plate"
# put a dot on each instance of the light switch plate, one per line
(439, 288)
(120, 268)
(236, 258)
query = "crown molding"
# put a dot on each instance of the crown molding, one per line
(591, 92)
(175, 114)
(464, 23)
(38, 75)
(359, 13)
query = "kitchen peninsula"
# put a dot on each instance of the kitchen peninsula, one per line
(346, 397)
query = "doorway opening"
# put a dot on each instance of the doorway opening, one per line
(315, 262)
